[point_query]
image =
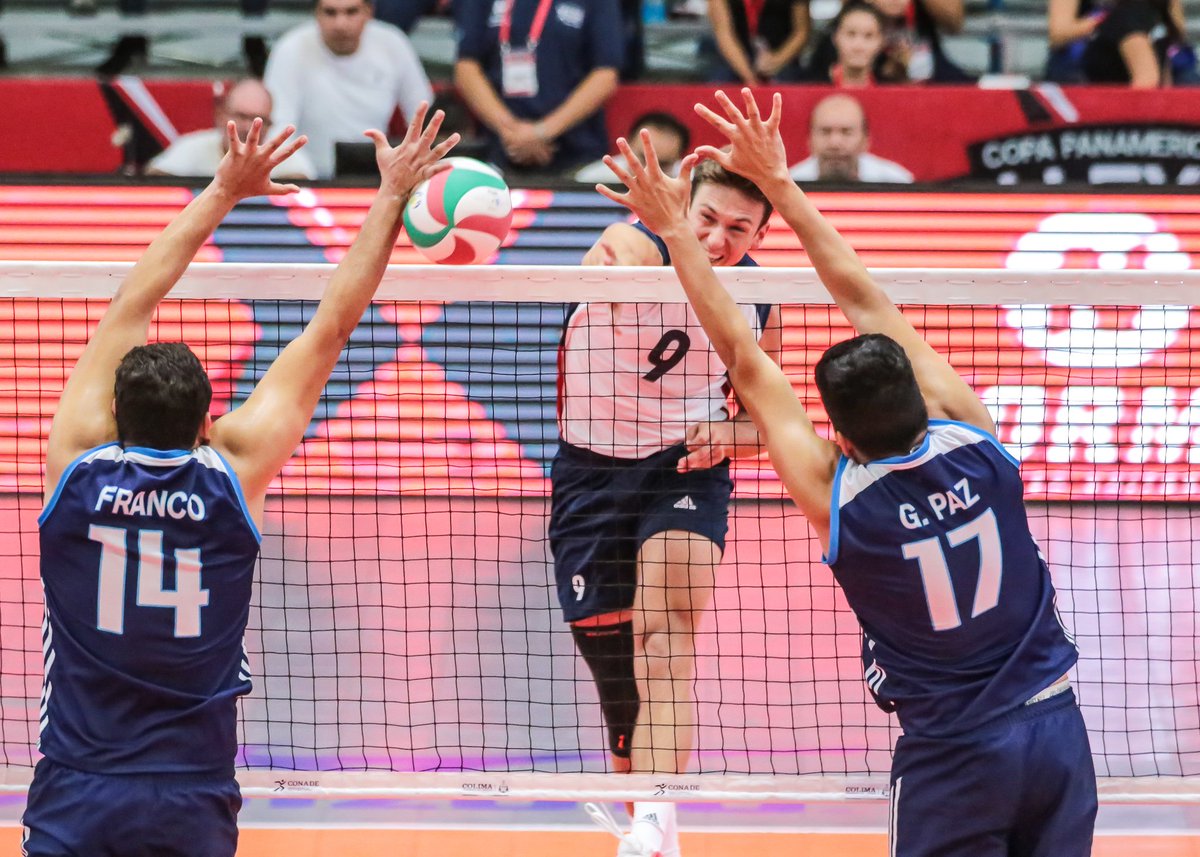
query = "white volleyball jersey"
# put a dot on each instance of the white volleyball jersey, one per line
(633, 377)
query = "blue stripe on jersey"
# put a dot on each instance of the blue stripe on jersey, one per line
(934, 554)
(237, 489)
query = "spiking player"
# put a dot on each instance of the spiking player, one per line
(921, 514)
(151, 530)
(641, 487)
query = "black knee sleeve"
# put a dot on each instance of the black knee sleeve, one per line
(608, 652)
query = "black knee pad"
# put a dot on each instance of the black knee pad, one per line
(608, 652)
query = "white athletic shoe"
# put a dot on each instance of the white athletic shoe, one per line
(654, 833)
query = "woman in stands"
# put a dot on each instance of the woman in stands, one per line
(1134, 43)
(756, 41)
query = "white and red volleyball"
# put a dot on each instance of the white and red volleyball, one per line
(461, 215)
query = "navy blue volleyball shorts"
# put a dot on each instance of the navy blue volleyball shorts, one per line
(1023, 785)
(72, 813)
(602, 509)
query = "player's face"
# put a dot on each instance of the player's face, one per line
(727, 223)
(858, 40)
(341, 23)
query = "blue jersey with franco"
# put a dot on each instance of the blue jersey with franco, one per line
(934, 553)
(147, 561)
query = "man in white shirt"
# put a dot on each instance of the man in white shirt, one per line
(199, 152)
(838, 140)
(342, 73)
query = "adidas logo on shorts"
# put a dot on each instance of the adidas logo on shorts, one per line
(686, 503)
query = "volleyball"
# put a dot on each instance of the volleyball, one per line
(460, 215)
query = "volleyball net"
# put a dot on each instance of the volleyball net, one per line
(405, 634)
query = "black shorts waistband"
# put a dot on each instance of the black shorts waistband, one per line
(582, 455)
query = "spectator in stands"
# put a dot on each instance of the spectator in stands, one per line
(838, 140)
(341, 73)
(756, 41)
(200, 152)
(1125, 46)
(912, 43)
(669, 136)
(537, 74)
(1071, 24)
(133, 49)
(858, 43)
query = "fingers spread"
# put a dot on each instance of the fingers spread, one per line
(279, 139)
(776, 112)
(446, 145)
(417, 123)
(618, 170)
(255, 134)
(287, 151)
(652, 165)
(378, 138)
(620, 198)
(751, 105)
(713, 119)
(276, 189)
(431, 130)
(735, 115)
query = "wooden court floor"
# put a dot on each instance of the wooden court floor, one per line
(342, 842)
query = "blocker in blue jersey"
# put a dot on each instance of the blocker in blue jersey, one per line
(150, 533)
(921, 514)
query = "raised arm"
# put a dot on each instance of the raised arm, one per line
(260, 436)
(804, 460)
(758, 154)
(84, 417)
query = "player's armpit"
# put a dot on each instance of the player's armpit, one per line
(622, 244)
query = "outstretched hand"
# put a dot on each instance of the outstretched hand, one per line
(245, 171)
(403, 167)
(757, 151)
(658, 200)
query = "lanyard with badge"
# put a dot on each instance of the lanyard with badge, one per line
(518, 66)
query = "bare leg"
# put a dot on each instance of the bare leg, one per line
(676, 574)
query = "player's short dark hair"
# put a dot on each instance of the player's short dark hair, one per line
(871, 395)
(162, 396)
(663, 122)
(710, 172)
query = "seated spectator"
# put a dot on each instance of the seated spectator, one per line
(1126, 47)
(199, 152)
(537, 73)
(342, 73)
(858, 41)
(756, 41)
(669, 136)
(912, 43)
(838, 140)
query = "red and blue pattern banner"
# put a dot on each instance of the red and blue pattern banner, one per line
(457, 398)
